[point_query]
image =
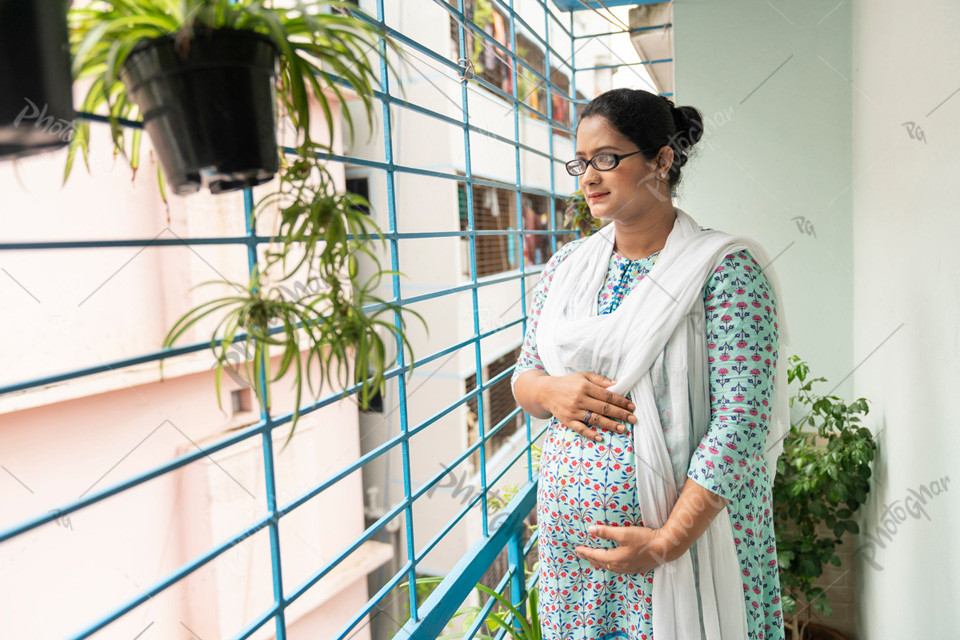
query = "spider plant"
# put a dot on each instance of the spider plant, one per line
(316, 41)
(328, 321)
(316, 218)
(527, 615)
(328, 325)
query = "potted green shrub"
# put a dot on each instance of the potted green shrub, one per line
(203, 76)
(36, 103)
(823, 478)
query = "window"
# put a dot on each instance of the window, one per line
(501, 401)
(536, 249)
(494, 210)
(530, 88)
(360, 187)
(558, 102)
(498, 403)
(495, 64)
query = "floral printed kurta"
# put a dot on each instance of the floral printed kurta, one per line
(583, 482)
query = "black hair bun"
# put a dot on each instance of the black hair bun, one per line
(689, 123)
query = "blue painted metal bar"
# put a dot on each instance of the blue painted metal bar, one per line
(552, 213)
(471, 226)
(388, 235)
(395, 281)
(573, 114)
(518, 173)
(398, 235)
(114, 244)
(518, 588)
(267, 442)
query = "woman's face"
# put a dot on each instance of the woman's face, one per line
(627, 191)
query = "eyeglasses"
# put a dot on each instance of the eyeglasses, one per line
(600, 162)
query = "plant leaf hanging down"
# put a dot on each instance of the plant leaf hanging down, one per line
(322, 47)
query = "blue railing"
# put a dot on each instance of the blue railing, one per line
(427, 618)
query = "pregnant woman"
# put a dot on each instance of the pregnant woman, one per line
(653, 347)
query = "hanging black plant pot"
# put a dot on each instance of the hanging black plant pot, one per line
(208, 103)
(36, 101)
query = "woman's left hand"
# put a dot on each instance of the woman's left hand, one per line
(641, 549)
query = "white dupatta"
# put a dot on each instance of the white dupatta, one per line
(662, 322)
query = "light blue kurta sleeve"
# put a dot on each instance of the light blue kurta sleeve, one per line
(742, 349)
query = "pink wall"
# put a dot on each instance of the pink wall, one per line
(99, 557)
(78, 308)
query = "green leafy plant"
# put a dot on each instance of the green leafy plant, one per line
(329, 324)
(316, 41)
(312, 38)
(316, 219)
(504, 614)
(577, 215)
(527, 615)
(823, 477)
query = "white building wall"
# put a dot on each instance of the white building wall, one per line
(430, 204)
(872, 302)
(907, 277)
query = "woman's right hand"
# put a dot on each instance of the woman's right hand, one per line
(569, 398)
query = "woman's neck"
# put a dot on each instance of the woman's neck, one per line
(639, 240)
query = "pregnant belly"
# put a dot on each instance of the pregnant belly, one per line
(583, 483)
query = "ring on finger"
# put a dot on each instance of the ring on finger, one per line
(586, 419)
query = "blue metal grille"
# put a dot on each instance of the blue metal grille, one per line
(556, 79)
